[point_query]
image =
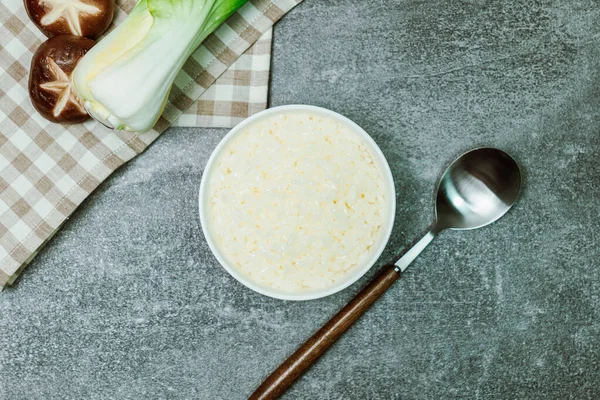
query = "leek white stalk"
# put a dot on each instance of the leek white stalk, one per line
(125, 79)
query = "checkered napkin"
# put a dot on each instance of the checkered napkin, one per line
(48, 169)
(240, 92)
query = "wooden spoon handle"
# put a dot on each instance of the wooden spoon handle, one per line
(299, 362)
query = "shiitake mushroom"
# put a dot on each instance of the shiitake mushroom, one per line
(50, 87)
(87, 18)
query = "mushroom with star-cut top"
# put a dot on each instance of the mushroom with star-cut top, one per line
(50, 86)
(88, 18)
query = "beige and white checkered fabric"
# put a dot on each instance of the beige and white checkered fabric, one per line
(240, 92)
(47, 169)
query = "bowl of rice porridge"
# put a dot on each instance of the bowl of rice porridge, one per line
(297, 202)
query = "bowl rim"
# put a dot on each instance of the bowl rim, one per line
(359, 271)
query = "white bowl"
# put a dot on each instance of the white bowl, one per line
(357, 272)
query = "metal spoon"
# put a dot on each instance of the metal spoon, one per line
(476, 190)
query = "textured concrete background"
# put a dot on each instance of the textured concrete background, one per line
(127, 301)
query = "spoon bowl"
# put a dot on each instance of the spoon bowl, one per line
(477, 189)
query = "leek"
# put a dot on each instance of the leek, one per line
(125, 79)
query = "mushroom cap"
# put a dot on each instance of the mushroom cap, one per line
(50, 87)
(88, 18)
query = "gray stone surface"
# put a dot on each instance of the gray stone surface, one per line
(127, 301)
